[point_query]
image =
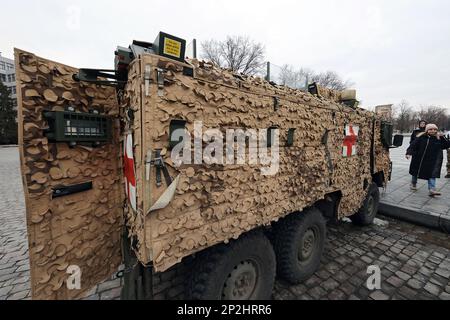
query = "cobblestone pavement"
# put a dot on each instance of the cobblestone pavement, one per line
(414, 261)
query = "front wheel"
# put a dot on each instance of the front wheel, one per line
(299, 241)
(366, 215)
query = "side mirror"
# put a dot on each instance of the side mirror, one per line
(398, 140)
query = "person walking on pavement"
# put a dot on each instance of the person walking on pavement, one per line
(447, 136)
(421, 129)
(424, 151)
(439, 161)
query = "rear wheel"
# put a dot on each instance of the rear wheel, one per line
(299, 241)
(366, 215)
(242, 270)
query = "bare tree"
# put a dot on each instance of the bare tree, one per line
(331, 80)
(404, 119)
(436, 115)
(296, 78)
(237, 53)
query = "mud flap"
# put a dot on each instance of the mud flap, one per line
(137, 279)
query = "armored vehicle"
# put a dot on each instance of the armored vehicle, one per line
(196, 182)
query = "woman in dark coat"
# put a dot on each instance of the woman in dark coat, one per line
(416, 132)
(424, 151)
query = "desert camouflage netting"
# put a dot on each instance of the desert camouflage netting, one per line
(215, 203)
(212, 203)
(83, 229)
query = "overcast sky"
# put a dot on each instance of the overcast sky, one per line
(391, 50)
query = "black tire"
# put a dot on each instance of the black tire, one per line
(366, 215)
(242, 270)
(299, 240)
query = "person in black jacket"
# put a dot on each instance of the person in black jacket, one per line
(447, 136)
(424, 151)
(416, 132)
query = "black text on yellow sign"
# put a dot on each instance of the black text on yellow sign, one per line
(172, 48)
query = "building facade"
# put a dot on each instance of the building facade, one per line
(385, 111)
(8, 76)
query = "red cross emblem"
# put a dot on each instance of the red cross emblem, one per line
(349, 147)
(129, 173)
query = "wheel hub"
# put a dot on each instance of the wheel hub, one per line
(241, 282)
(307, 245)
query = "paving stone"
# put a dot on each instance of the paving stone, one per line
(18, 295)
(341, 277)
(323, 274)
(23, 268)
(317, 292)
(110, 294)
(443, 273)
(407, 292)
(437, 280)
(415, 284)
(347, 288)
(5, 290)
(391, 268)
(330, 285)
(395, 281)
(432, 289)
(336, 295)
(313, 281)
(402, 275)
(444, 296)
(356, 281)
(409, 269)
(350, 269)
(296, 290)
(283, 295)
(363, 293)
(378, 295)
(20, 287)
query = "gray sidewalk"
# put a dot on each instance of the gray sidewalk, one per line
(400, 202)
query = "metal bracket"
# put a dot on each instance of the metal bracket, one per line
(93, 75)
(160, 82)
(161, 167)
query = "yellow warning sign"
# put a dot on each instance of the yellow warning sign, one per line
(172, 48)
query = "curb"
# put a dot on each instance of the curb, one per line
(9, 146)
(425, 219)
